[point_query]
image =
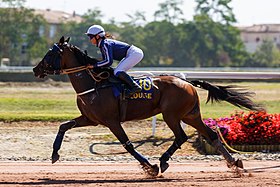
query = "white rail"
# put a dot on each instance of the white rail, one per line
(213, 75)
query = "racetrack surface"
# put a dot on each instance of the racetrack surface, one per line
(187, 173)
(88, 158)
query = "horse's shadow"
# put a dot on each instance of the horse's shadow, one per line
(155, 142)
(260, 169)
(49, 181)
(151, 139)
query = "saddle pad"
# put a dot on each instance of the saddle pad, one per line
(147, 89)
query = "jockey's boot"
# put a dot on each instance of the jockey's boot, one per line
(134, 87)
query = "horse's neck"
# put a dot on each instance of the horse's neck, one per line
(82, 57)
(81, 81)
(90, 60)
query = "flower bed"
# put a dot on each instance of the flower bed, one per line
(254, 131)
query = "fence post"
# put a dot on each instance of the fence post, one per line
(154, 124)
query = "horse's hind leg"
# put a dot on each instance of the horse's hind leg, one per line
(119, 132)
(212, 138)
(180, 138)
(81, 121)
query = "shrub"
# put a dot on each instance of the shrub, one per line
(254, 128)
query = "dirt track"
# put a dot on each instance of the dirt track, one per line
(25, 150)
(191, 173)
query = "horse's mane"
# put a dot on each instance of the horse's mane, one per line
(84, 59)
(82, 56)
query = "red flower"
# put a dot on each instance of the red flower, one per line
(253, 128)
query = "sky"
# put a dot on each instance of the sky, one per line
(247, 12)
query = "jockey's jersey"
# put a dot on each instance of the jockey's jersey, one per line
(112, 50)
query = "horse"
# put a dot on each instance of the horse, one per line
(174, 97)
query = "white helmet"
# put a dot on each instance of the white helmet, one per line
(96, 30)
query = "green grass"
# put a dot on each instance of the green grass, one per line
(35, 103)
(266, 94)
(58, 103)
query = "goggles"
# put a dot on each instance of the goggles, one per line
(93, 35)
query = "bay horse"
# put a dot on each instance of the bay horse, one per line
(175, 98)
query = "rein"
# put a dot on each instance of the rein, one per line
(74, 70)
(96, 76)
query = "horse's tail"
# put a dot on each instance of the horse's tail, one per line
(239, 97)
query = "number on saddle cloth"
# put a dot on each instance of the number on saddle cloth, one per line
(146, 93)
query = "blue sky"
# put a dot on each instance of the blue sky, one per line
(247, 12)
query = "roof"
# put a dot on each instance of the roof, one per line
(57, 17)
(271, 28)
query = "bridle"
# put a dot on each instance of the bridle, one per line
(59, 70)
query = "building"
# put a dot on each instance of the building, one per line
(253, 36)
(54, 19)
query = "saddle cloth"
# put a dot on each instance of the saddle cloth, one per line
(145, 83)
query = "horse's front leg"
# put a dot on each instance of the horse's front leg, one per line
(65, 126)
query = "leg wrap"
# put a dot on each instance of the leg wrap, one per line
(171, 150)
(223, 151)
(58, 141)
(62, 129)
(129, 147)
(67, 125)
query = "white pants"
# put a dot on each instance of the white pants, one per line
(134, 56)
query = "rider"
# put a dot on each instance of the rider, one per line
(128, 55)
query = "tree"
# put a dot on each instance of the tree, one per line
(19, 31)
(267, 55)
(159, 43)
(36, 44)
(170, 11)
(137, 19)
(219, 43)
(276, 58)
(77, 31)
(218, 10)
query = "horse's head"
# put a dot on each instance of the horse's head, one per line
(60, 57)
(51, 63)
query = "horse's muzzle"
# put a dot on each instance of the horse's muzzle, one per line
(39, 72)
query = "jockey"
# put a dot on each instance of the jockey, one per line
(128, 55)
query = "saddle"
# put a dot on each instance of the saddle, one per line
(105, 77)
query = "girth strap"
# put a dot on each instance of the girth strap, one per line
(122, 106)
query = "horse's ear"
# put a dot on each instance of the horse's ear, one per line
(61, 41)
(67, 40)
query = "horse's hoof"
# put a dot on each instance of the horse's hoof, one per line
(155, 169)
(163, 166)
(239, 163)
(55, 157)
(151, 170)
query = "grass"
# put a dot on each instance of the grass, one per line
(56, 101)
(266, 94)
